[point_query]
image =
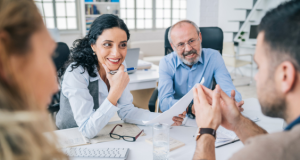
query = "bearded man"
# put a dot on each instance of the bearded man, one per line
(180, 70)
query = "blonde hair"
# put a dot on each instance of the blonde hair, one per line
(21, 137)
(22, 123)
(19, 20)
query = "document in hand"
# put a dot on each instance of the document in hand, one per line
(178, 108)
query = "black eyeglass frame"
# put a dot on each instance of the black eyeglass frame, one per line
(124, 137)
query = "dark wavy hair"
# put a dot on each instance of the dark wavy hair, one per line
(82, 53)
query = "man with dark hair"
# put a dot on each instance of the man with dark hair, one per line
(278, 85)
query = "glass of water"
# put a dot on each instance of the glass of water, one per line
(161, 141)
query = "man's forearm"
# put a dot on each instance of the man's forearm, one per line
(246, 129)
(205, 149)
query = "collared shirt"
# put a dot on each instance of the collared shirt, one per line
(176, 78)
(90, 121)
(291, 125)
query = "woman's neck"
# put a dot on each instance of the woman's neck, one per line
(102, 73)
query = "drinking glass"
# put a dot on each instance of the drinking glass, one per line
(161, 141)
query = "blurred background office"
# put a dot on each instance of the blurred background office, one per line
(68, 20)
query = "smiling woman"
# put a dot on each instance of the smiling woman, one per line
(90, 95)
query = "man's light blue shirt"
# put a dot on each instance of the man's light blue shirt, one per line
(176, 78)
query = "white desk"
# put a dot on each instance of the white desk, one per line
(141, 150)
(144, 79)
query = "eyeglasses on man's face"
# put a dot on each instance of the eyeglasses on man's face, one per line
(125, 138)
(192, 42)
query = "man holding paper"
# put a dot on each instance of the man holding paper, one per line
(278, 88)
(188, 64)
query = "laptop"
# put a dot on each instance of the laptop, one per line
(131, 59)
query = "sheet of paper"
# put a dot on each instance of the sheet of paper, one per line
(178, 108)
(190, 122)
(70, 137)
(226, 132)
(251, 117)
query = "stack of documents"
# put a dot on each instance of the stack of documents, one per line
(143, 64)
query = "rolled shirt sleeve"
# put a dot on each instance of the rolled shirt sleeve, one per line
(131, 114)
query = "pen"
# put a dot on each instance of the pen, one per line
(115, 71)
(228, 143)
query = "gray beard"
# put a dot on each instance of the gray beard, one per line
(193, 62)
(190, 63)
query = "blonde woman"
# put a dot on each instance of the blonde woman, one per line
(27, 82)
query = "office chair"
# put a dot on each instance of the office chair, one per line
(212, 37)
(62, 53)
(232, 59)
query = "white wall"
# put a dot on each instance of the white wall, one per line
(193, 11)
(69, 38)
(147, 35)
(209, 13)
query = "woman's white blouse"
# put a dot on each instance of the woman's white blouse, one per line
(90, 121)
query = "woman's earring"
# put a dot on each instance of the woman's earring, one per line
(94, 53)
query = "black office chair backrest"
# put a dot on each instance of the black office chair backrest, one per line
(62, 53)
(212, 37)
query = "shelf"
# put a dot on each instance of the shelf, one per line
(97, 15)
(236, 20)
(230, 31)
(243, 8)
(102, 3)
(93, 15)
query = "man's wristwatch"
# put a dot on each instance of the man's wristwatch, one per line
(201, 131)
(190, 112)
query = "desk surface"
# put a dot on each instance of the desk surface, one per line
(143, 150)
(144, 79)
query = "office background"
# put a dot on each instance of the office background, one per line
(147, 20)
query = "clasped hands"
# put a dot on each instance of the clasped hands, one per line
(214, 108)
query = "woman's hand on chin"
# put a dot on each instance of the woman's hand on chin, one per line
(118, 83)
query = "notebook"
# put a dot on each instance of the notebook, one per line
(224, 136)
(73, 137)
